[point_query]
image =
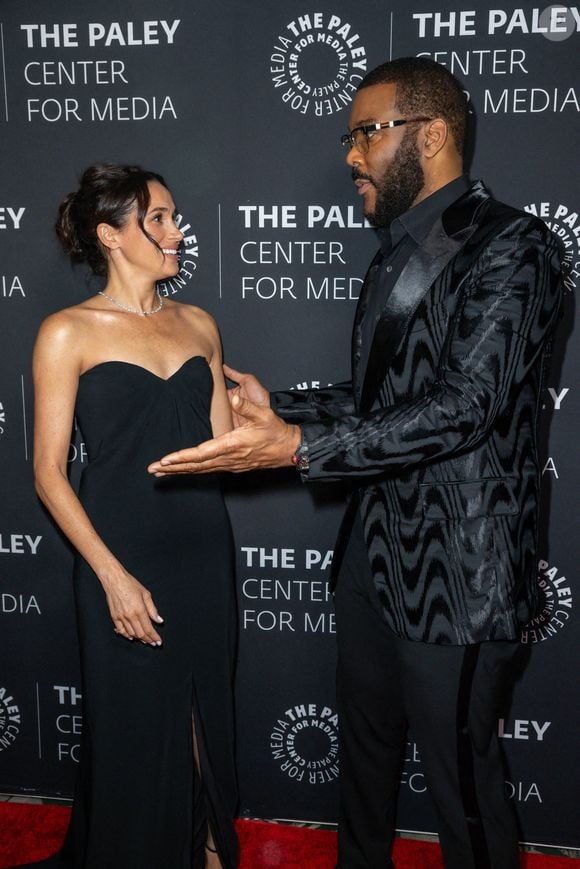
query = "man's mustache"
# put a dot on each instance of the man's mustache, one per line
(357, 175)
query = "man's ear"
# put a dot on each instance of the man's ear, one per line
(107, 236)
(433, 137)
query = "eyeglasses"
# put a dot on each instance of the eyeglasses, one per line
(360, 137)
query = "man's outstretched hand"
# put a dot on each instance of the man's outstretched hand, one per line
(262, 441)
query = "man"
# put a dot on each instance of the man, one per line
(435, 561)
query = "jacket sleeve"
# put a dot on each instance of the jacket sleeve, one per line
(314, 405)
(509, 305)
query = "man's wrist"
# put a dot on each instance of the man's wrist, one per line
(300, 459)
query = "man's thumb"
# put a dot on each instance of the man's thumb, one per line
(231, 373)
(245, 408)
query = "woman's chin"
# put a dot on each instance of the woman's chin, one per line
(171, 270)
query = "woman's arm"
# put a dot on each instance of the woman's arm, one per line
(57, 364)
(220, 411)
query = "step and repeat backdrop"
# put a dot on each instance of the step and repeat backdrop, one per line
(240, 106)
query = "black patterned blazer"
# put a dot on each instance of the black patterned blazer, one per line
(438, 435)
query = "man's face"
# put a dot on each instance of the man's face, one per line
(388, 174)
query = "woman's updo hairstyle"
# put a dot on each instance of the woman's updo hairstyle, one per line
(107, 194)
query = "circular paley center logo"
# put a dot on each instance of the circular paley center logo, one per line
(564, 222)
(555, 595)
(189, 256)
(317, 63)
(304, 743)
(2, 418)
(10, 719)
(557, 22)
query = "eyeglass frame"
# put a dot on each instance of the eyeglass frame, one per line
(347, 138)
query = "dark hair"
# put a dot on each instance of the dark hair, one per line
(107, 194)
(424, 88)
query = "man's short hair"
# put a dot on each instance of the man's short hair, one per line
(424, 88)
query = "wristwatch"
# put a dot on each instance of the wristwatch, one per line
(300, 459)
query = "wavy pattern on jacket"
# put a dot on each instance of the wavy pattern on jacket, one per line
(439, 433)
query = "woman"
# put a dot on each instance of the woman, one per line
(153, 575)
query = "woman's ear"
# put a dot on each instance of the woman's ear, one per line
(107, 236)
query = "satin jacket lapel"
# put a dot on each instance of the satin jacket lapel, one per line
(357, 327)
(421, 271)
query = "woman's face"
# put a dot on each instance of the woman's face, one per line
(137, 251)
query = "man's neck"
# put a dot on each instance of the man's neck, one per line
(432, 185)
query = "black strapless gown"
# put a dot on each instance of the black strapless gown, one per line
(139, 803)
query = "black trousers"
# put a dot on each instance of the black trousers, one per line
(451, 697)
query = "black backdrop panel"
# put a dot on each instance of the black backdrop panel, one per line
(240, 106)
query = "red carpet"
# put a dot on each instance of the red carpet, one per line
(33, 832)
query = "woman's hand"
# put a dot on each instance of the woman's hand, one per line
(132, 609)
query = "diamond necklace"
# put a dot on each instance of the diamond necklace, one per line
(131, 310)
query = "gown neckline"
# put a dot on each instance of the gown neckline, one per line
(143, 368)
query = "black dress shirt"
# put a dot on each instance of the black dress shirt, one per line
(398, 242)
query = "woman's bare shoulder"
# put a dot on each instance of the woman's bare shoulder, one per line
(198, 317)
(67, 325)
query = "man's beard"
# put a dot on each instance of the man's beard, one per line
(399, 186)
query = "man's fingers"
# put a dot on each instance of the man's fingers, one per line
(247, 385)
(187, 455)
(193, 455)
(185, 468)
(204, 451)
(179, 458)
(176, 462)
(250, 411)
(211, 466)
(232, 374)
